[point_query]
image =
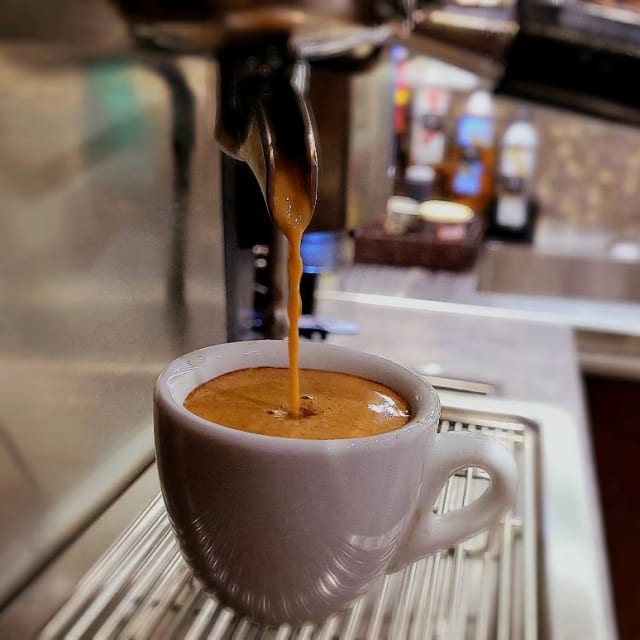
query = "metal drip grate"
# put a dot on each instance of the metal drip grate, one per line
(484, 588)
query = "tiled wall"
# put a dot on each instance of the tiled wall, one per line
(588, 169)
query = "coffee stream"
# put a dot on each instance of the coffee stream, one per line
(291, 209)
(337, 405)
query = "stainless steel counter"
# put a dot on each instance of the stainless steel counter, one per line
(520, 283)
(523, 359)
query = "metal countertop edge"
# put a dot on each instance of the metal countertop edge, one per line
(576, 569)
(463, 308)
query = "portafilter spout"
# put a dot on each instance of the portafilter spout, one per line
(263, 115)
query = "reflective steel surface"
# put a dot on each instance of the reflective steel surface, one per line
(518, 283)
(109, 268)
(592, 275)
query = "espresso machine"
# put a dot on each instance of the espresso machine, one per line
(302, 78)
(294, 79)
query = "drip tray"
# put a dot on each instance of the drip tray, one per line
(486, 587)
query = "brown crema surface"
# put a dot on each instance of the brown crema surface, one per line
(332, 405)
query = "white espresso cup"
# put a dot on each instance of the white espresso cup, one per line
(293, 530)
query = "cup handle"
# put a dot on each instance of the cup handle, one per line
(430, 532)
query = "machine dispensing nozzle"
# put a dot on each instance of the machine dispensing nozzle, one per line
(263, 114)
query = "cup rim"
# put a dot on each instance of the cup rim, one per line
(425, 417)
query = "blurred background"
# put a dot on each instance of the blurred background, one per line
(477, 220)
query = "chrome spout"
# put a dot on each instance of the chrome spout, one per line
(264, 115)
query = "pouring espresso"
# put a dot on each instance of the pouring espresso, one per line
(291, 209)
(263, 116)
(269, 126)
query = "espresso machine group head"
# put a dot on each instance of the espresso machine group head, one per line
(262, 47)
(292, 78)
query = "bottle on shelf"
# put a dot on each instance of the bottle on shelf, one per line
(419, 180)
(401, 115)
(428, 137)
(472, 175)
(513, 212)
(429, 109)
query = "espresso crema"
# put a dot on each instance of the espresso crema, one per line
(332, 405)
